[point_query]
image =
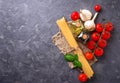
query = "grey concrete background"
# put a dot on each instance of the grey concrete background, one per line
(27, 54)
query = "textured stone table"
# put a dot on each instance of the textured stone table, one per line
(27, 54)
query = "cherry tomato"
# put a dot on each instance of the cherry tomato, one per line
(98, 51)
(91, 44)
(95, 36)
(102, 43)
(89, 55)
(97, 8)
(106, 35)
(99, 27)
(82, 77)
(108, 26)
(75, 16)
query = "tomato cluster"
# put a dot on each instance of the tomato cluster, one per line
(99, 38)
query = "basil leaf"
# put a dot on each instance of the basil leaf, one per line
(76, 56)
(77, 64)
(69, 57)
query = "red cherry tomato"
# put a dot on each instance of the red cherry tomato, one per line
(98, 51)
(91, 44)
(97, 8)
(106, 35)
(95, 36)
(75, 16)
(82, 77)
(108, 26)
(102, 43)
(89, 55)
(99, 27)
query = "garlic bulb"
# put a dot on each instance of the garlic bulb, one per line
(90, 25)
(85, 15)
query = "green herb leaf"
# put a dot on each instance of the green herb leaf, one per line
(77, 64)
(76, 56)
(69, 57)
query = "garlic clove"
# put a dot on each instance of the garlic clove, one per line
(85, 15)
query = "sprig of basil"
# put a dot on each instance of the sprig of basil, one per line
(74, 59)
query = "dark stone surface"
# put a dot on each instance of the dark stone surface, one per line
(27, 54)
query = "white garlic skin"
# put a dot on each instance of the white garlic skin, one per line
(85, 15)
(89, 25)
